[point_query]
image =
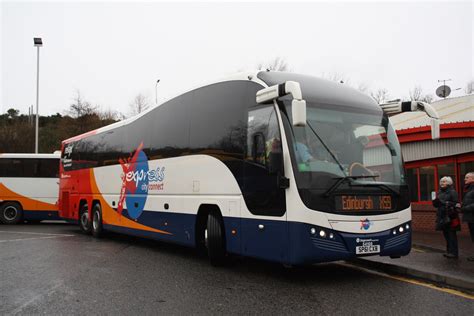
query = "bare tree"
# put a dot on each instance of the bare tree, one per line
(469, 87)
(336, 77)
(277, 64)
(380, 96)
(110, 115)
(140, 103)
(80, 107)
(428, 98)
(416, 94)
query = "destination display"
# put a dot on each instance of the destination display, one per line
(363, 202)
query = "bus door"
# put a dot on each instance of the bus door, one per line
(265, 229)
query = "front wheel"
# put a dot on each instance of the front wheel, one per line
(97, 229)
(84, 222)
(215, 239)
(11, 213)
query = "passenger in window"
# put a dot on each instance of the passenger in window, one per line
(303, 153)
(468, 205)
(447, 218)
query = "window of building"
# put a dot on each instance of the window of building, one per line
(427, 182)
(423, 180)
(412, 177)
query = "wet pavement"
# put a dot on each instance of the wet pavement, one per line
(53, 269)
(426, 261)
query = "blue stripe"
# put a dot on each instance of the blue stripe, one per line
(40, 215)
(280, 241)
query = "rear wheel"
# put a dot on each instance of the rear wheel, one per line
(11, 213)
(215, 239)
(84, 222)
(97, 229)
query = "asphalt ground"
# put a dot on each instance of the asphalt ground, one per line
(54, 269)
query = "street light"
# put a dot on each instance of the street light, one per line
(156, 91)
(37, 43)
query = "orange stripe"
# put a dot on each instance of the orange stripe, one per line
(27, 203)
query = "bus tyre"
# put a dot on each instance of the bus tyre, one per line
(97, 229)
(215, 239)
(84, 222)
(11, 213)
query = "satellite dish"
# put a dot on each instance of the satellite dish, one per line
(443, 91)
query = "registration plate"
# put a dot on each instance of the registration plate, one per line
(360, 250)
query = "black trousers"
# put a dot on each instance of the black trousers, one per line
(471, 230)
(451, 241)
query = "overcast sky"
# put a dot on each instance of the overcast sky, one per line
(110, 52)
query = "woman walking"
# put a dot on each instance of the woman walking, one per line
(447, 218)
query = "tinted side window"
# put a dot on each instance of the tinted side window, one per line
(218, 119)
(218, 124)
(11, 167)
(48, 168)
(168, 128)
(30, 167)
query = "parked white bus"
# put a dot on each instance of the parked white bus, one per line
(278, 166)
(29, 187)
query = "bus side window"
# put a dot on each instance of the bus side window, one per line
(30, 168)
(48, 168)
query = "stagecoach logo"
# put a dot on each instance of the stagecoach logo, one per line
(365, 224)
(67, 159)
(137, 181)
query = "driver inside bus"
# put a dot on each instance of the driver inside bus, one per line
(303, 152)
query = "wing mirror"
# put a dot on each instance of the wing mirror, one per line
(393, 108)
(298, 105)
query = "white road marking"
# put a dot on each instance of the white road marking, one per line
(35, 298)
(35, 238)
(31, 233)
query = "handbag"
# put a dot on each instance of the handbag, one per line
(445, 221)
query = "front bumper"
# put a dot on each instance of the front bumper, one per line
(313, 244)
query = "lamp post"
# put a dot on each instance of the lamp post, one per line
(156, 91)
(37, 43)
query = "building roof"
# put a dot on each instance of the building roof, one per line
(451, 110)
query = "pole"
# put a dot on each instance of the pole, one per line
(37, 99)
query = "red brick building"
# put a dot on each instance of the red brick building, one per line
(427, 160)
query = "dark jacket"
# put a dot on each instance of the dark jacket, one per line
(447, 200)
(468, 205)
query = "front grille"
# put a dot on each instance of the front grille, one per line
(396, 241)
(327, 244)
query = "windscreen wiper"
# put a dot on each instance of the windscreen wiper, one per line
(380, 185)
(327, 148)
(341, 180)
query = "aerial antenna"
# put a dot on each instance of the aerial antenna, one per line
(443, 91)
